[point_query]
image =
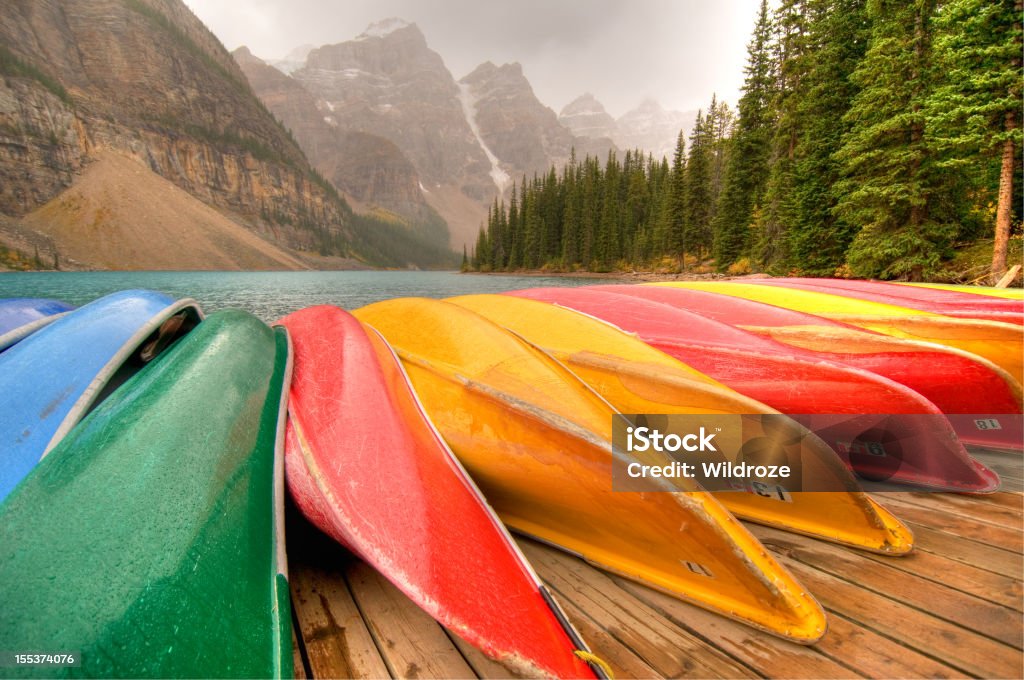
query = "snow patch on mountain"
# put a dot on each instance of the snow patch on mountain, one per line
(500, 177)
(382, 28)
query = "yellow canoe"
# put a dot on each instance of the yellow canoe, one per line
(538, 443)
(989, 291)
(637, 378)
(1000, 343)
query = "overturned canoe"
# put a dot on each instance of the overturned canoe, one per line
(988, 291)
(972, 391)
(50, 380)
(149, 542)
(950, 303)
(20, 317)
(1000, 343)
(366, 465)
(538, 442)
(636, 378)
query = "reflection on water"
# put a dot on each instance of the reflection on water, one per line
(270, 295)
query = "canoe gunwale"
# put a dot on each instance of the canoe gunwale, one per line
(16, 335)
(556, 608)
(89, 396)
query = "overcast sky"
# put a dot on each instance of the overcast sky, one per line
(677, 51)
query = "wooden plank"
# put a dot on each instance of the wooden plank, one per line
(338, 643)
(990, 509)
(1002, 590)
(624, 662)
(768, 655)
(413, 644)
(999, 623)
(965, 650)
(994, 535)
(299, 668)
(877, 656)
(482, 665)
(964, 550)
(671, 651)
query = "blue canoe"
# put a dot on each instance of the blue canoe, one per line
(20, 317)
(52, 378)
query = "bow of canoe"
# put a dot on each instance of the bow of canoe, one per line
(149, 540)
(843, 515)
(538, 442)
(847, 407)
(366, 466)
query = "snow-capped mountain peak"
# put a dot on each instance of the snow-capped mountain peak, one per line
(384, 27)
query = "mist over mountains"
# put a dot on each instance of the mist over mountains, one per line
(465, 141)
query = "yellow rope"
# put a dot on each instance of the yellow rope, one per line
(595, 660)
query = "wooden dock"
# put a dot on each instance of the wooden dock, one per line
(953, 608)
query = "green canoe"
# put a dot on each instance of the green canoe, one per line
(149, 542)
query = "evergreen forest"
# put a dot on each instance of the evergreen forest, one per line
(873, 138)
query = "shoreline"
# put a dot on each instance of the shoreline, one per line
(627, 276)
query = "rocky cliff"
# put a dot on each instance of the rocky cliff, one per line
(146, 79)
(523, 134)
(369, 169)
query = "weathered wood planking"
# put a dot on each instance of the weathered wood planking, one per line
(950, 609)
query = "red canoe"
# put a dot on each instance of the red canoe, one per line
(948, 302)
(982, 402)
(368, 468)
(881, 428)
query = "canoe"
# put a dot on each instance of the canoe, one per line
(967, 388)
(149, 542)
(636, 378)
(850, 409)
(538, 443)
(50, 380)
(368, 468)
(20, 317)
(1000, 343)
(949, 303)
(989, 291)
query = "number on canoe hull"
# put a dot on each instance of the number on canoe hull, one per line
(987, 424)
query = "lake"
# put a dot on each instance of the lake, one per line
(271, 295)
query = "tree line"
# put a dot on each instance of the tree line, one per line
(872, 138)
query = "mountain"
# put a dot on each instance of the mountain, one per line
(652, 128)
(147, 82)
(369, 169)
(388, 83)
(648, 127)
(586, 117)
(520, 135)
(294, 60)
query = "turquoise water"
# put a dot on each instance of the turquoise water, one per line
(270, 295)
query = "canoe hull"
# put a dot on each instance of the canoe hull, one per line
(50, 380)
(538, 442)
(955, 381)
(366, 466)
(154, 527)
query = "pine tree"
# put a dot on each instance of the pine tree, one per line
(889, 185)
(838, 34)
(975, 110)
(790, 56)
(698, 190)
(747, 172)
